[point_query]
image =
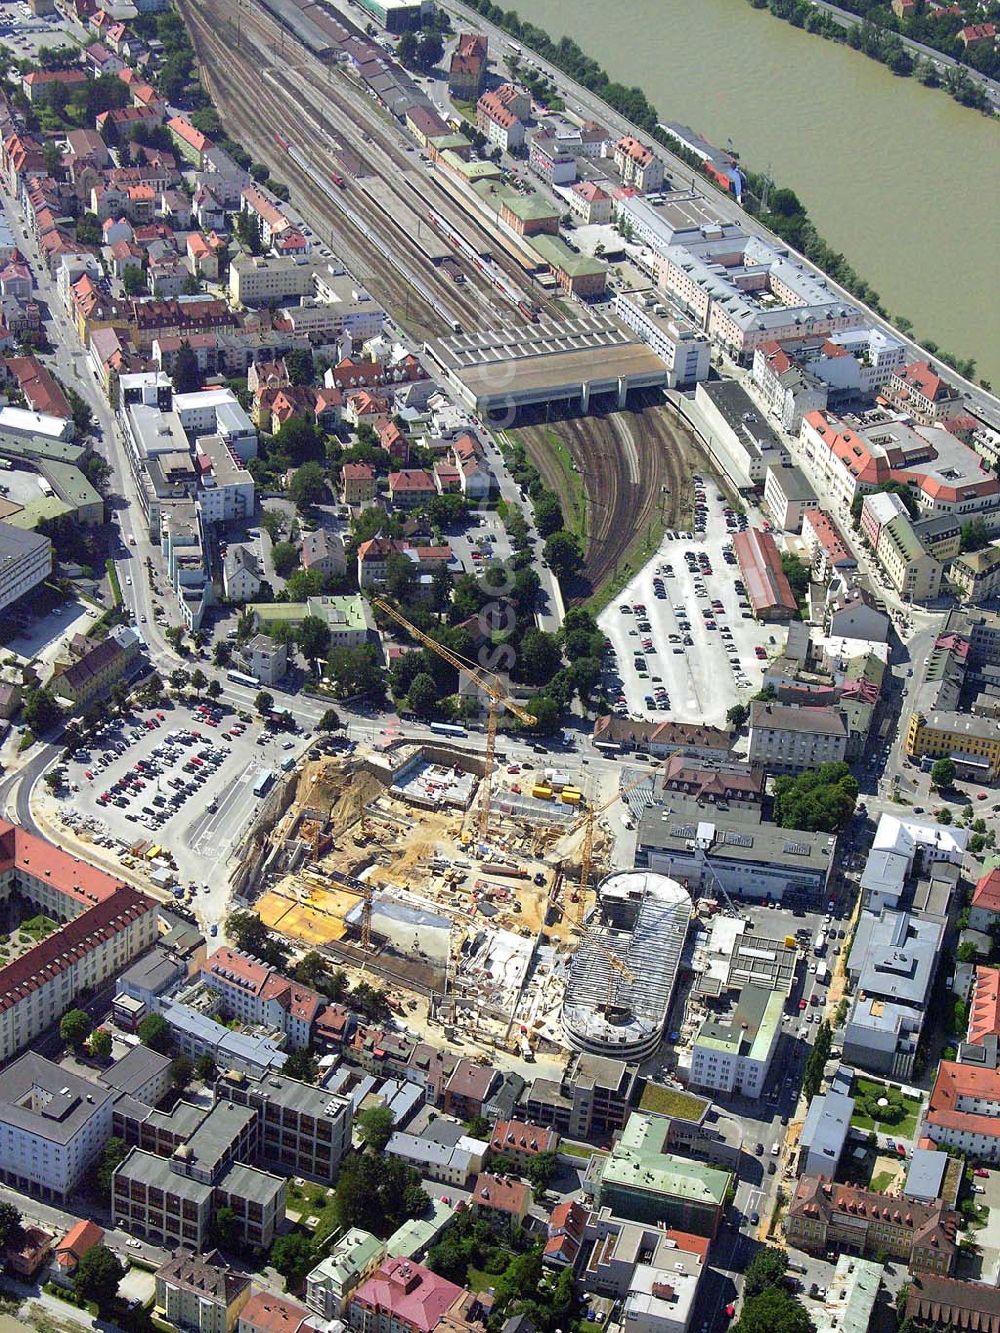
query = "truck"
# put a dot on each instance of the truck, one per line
(819, 948)
(822, 974)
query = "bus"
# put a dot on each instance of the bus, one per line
(263, 784)
(241, 678)
(448, 729)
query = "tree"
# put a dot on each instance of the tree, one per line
(301, 1064)
(175, 637)
(548, 514)
(97, 1276)
(430, 49)
(943, 773)
(406, 49)
(773, 1311)
(293, 1256)
(303, 584)
(314, 638)
(11, 1225)
(250, 935)
(308, 485)
(264, 703)
(375, 1125)
(539, 657)
(154, 1033)
(133, 281)
(100, 1044)
(356, 671)
(300, 366)
(285, 558)
(226, 1228)
(820, 800)
(80, 410)
(187, 375)
(214, 689)
(737, 716)
(112, 1155)
(299, 440)
(222, 654)
(422, 697)
(198, 680)
(796, 571)
(766, 1269)
(40, 711)
(815, 1064)
(330, 721)
(181, 1070)
(204, 1068)
(75, 1027)
(562, 551)
(540, 1170)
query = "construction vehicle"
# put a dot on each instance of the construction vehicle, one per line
(492, 687)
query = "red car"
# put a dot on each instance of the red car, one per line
(982, 1173)
(802, 1004)
(89, 775)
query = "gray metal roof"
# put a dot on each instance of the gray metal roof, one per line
(132, 1071)
(925, 1177)
(44, 1099)
(826, 1125)
(894, 956)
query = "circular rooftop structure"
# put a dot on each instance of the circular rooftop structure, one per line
(621, 978)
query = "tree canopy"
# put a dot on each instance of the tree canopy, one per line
(154, 1033)
(97, 1275)
(820, 800)
(943, 773)
(75, 1027)
(375, 1125)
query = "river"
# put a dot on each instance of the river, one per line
(899, 177)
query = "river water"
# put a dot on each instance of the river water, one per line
(899, 177)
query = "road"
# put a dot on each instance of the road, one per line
(587, 105)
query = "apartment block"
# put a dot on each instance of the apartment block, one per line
(25, 562)
(258, 280)
(683, 348)
(638, 165)
(734, 1053)
(786, 738)
(964, 1110)
(911, 570)
(105, 924)
(201, 1293)
(304, 1130)
(401, 1297)
(975, 575)
(355, 1257)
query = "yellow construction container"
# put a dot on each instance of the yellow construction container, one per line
(570, 796)
(790, 941)
(542, 792)
(153, 853)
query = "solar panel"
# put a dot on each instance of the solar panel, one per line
(737, 839)
(797, 848)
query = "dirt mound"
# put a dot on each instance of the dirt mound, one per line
(325, 786)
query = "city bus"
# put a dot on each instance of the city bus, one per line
(241, 678)
(448, 729)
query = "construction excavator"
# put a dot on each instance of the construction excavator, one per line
(491, 685)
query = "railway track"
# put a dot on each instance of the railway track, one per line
(247, 102)
(360, 132)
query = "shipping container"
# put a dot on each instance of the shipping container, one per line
(543, 793)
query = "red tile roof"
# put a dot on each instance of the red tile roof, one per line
(76, 1242)
(986, 895)
(984, 1011)
(501, 1194)
(267, 1313)
(760, 565)
(954, 1086)
(518, 1136)
(408, 1293)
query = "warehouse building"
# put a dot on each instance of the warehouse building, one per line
(768, 589)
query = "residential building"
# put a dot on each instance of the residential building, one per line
(226, 492)
(501, 126)
(266, 1312)
(976, 574)
(410, 488)
(788, 496)
(787, 389)
(467, 69)
(241, 573)
(500, 1199)
(259, 280)
(98, 666)
(266, 659)
(733, 1054)
(828, 548)
(920, 391)
(257, 994)
(201, 1293)
(787, 738)
(768, 590)
(552, 154)
(565, 1232)
(912, 572)
(54, 1124)
(105, 924)
(594, 1097)
(141, 1073)
(449, 1164)
(355, 1257)
(984, 909)
(323, 551)
(25, 562)
(401, 1297)
(637, 1180)
(825, 1133)
(854, 614)
(304, 1130)
(638, 165)
(589, 204)
(522, 1142)
(963, 1110)
(78, 1241)
(971, 741)
(469, 1088)
(824, 1215)
(358, 482)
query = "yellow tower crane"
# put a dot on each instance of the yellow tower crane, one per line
(615, 964)
(491, 686)
(587, 823)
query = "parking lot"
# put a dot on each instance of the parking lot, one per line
(27, 34)
(185, 779)
(685, 642)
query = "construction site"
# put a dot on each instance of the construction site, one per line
(470, 897)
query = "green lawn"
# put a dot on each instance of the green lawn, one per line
(671, 1101)
(881, 1182)
(477, 1280)
(583, 1150)
(905, 1128)
(571, 492)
